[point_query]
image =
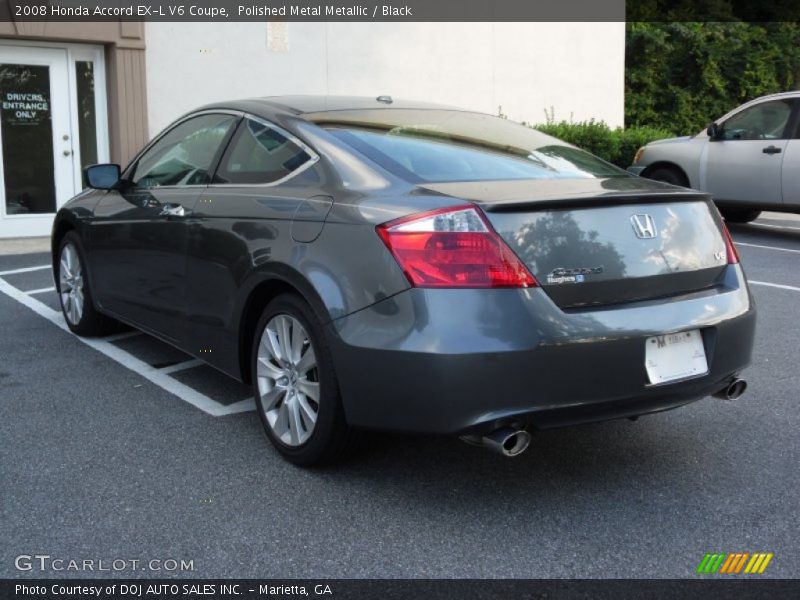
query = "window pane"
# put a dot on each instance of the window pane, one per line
(260, 155)
(184, 155)
(27, 133)
(432, 156)
(87, 119)
(449, 145)
(763, 122)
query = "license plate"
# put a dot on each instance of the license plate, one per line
(675, 356)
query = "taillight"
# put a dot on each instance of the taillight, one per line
(453, 247)
(730, 249)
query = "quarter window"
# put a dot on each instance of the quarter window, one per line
(184, 155)
(765, 121)
(260, 154)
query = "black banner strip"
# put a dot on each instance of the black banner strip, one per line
(398, 10)
(393, 589)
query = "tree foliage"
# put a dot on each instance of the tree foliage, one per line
(682, 75)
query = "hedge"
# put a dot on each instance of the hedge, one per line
(617, 146)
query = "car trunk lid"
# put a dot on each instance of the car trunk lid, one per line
(593, 242)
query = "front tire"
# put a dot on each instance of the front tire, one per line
(668, 175)
(75, 294)
(740, 215)
(295, 386)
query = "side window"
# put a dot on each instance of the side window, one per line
(765, 121)
(184, 155)
(259, 154)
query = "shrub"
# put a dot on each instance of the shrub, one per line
(617, 146)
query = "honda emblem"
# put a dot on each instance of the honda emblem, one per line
(644, 227)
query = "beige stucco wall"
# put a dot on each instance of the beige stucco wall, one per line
(575, 68)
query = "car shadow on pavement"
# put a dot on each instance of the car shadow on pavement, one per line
(603, 457)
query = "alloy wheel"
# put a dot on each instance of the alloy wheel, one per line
(288, 380)
(70, 277)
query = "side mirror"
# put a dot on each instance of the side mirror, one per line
(101, 177)
(714, 131)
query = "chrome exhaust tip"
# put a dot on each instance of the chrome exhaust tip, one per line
(733, 391)
(506, 441)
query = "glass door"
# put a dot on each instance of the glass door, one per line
(36, 146)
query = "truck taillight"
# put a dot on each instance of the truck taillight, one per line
(454, 247)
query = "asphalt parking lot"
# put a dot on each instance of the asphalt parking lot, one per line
(124, 448)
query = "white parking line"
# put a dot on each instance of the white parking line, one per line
(182, 366)
(25, 270)
(768, 247)
(774, 285)
(40, 291)
(156, 376)
(122, 336)
(776, 226)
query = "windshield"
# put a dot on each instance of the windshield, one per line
(442, 145)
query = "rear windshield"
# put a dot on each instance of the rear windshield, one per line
(441, 145)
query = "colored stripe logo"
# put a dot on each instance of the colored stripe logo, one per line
(734, 563)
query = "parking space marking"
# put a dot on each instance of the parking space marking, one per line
(182, 366)
(767, 247)
(40, 291)
(776, 226)
(104, 346)
(774, 285)
(122, 336)
(25, 270)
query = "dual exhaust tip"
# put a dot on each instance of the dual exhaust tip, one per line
(510, 441)
(507, 441)
(733, 391)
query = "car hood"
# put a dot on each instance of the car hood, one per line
(675, 140)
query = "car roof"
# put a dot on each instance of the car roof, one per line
(767, 98)
(792, 94)
(755, 101)
(299, 105)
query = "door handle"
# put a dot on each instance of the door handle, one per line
(771, 150)
(172, 210)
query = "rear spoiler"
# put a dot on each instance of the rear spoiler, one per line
(592, 200)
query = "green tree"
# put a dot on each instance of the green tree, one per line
(681, 75)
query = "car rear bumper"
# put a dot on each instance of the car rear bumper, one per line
(466, 361)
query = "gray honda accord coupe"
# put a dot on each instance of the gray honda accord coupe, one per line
(399, 266)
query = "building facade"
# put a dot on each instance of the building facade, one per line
(73, 94)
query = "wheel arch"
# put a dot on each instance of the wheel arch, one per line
(666, 164)
(61, 227)
(262, 289)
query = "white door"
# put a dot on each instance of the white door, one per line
(744, 165)
(36, 149)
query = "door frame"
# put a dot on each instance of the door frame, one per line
(74, 53)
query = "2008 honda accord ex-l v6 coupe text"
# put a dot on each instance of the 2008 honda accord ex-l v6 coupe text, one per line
(387, 265)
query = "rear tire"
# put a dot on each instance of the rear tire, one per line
(739, 215)
(668, 175)
(75, 294)
(290, 364)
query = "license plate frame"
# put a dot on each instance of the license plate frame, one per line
(675, 356)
